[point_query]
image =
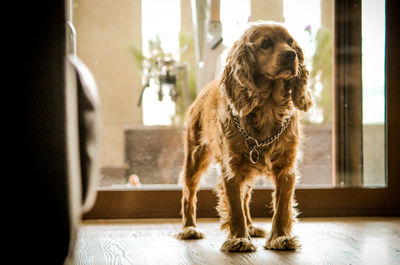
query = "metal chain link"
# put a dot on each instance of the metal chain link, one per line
(254, 144)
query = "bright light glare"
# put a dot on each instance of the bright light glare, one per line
(159, 18)
(373, 61)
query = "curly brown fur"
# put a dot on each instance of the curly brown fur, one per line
(264, 82)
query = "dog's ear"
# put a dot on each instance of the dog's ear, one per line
(301, 94)
(237, 82)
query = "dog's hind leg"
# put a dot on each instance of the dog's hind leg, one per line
(254, 231)
(196, 162)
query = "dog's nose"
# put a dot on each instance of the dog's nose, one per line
(288, 56)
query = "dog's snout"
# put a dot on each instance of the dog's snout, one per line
(288, 56)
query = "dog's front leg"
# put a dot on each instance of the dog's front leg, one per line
(239, 238)
(284, 214)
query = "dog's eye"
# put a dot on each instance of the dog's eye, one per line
(266, 44)
(290, 42)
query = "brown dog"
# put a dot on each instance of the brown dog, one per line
(248, 122)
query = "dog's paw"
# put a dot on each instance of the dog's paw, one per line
(257, 231)
(283, 243)
(238, 245)
(190, 232)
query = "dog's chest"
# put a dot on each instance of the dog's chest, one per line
(263, 165)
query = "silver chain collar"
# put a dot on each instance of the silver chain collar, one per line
(254, 145)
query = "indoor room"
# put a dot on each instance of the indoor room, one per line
(216, 131)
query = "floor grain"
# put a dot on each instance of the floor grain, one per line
(324, 240)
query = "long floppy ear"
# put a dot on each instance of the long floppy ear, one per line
(237, 82)
(301, 94)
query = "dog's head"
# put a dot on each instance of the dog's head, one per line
(275, 51)
(265, 49)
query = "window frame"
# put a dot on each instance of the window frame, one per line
(347, 137)
(315, 202)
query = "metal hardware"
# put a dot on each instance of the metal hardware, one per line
(71, 38)
(256, 146)
(254, 156)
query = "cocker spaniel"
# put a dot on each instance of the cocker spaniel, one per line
(248, 121)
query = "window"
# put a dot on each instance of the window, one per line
(349, 117)
(373, 93)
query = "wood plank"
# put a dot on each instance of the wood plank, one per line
(313, 202)
(324, 240)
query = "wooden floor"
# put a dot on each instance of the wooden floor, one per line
(325, 241)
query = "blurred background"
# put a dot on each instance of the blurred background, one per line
(150, 58)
